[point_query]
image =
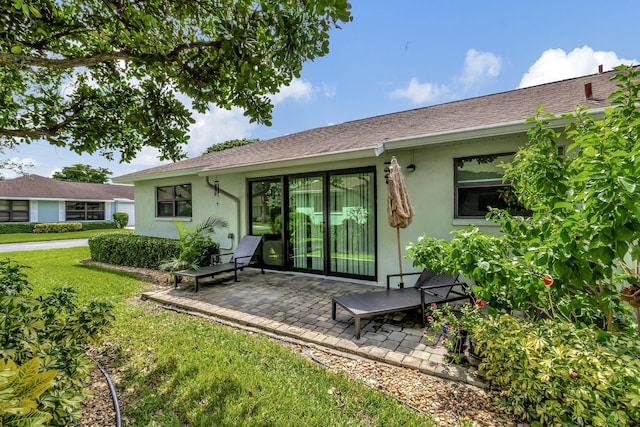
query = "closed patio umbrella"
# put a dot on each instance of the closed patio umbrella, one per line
(399, 209)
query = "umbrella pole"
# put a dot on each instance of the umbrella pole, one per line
(399, 257)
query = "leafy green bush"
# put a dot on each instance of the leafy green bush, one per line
(57, 227)
(56, 330)
(20, 387)
(196, 246)
(584, 228)
(99, 225)
(132, 250)
(558, 374)
(12, 228)
(121, 219)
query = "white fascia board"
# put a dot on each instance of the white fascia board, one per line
(158, 175)
(477, 132)
(359, 153)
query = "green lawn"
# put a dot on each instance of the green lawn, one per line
(180, 370)
(41, 237)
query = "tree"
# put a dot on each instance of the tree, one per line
(230, 144)
(113, 76)
(83, 173)
(581, 245)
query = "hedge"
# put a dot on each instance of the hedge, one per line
(57, 227)
(18, 227)
(132, 250)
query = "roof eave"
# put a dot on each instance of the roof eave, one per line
(477, 132)
(310, 159)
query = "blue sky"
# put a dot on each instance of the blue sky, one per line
(407, 54)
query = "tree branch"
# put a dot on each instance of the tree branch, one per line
(20, 60)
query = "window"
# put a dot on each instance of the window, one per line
(84, 211)
(174, 200)
(478, 185)
(14, 211)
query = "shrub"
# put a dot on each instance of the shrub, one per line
(121, 219)
(54, 329)
(558, 374)
(57, 227)
(132, 250)
(196, 246)
(20, 227)
(20, 388)
(99, 225)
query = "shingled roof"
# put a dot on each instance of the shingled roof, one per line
(505, 107)
(39, 187)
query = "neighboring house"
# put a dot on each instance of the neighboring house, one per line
(319, 196)
(34, 198)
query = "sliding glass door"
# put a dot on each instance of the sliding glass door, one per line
(353, 225)
(322, 223)
(307, 223)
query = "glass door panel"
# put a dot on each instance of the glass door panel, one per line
(266, 219)
(306, 223)
(352, 223)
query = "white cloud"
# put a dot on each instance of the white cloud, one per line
(478, 66)
(219, 125)
(555, 64)
(328, 90)
(298, 89)
(420, 93)
(216, 126)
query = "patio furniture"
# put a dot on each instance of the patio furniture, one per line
(241, 258)
(430, 288)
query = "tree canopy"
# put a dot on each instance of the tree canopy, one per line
(83, 173)
(114, 76)
(230, 144)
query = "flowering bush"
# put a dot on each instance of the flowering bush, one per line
(451, 326)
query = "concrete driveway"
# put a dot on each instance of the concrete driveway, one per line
(36, 246)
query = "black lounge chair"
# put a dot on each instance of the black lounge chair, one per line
(431, 287)
(241, 258)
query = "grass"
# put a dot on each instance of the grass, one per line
(179, 370)
(42, 237)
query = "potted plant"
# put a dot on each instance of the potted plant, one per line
(453, 327)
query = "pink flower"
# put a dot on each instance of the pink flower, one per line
(429, 318)
(449, 326)
(424, 333)
(547, 280)
(433, 304)
(480, 303)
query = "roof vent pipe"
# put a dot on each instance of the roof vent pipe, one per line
(588, 91)
(600, 68)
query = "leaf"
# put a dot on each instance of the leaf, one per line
(628, 185)
(16, 50)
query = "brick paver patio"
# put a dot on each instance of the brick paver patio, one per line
(299, 306)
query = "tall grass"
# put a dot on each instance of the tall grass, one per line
(178, 370)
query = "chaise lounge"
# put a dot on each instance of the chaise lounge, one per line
(241, 258)
(431, 287)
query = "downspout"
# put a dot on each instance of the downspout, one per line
(235, 199)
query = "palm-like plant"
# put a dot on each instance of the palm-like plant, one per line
(195, 244)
